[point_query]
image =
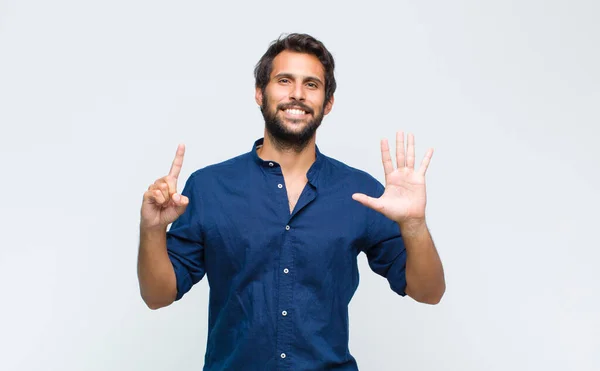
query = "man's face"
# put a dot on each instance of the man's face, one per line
(293, 103)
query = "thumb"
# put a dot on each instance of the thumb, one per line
(181, 203)
(367, 201)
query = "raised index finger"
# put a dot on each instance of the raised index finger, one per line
(177, 162)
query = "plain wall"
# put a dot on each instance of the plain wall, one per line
(95, 96)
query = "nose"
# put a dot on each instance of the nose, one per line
(297, 92)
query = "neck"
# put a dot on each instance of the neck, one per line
(292, 161)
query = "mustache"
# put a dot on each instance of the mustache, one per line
(296, 105)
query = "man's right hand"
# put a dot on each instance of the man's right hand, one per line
(162, 205)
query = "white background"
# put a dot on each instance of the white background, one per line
(95, 96)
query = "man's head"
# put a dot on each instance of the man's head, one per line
(294, 88)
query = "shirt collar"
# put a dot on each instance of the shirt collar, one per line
(312, 174)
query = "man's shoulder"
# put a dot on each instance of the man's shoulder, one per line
(226, 168)
(342, 170)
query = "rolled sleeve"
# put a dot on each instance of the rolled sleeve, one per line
(385, 249)
(185, 244)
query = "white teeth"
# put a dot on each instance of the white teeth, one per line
(295, 111)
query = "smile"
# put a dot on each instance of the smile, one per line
(295, 112)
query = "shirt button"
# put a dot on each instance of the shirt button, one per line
(282, 355)
(284, 313)
(279, 185)
(270, 164)
(287, 227)
(286, 271)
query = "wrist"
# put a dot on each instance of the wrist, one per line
(152, 231)
(413, 227)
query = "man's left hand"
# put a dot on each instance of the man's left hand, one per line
(404, 198)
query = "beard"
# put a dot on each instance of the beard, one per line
(281, 135)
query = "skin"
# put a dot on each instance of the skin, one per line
(161, 205)
(404, 201)
(297, 80)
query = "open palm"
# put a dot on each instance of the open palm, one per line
(405, 196)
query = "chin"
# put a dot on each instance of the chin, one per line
(293, 124)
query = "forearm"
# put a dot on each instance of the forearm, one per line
(424, 272)
(158, 285)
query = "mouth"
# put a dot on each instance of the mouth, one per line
(295, 113)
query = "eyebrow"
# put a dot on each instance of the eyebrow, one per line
(290, 76)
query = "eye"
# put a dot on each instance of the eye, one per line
(312, 85)
(284, 80)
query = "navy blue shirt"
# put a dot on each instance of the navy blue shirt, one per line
(280, 282)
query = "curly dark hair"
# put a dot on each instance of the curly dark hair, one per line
(301, 43)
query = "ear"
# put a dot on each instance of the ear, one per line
(328, 106)
(258, 96)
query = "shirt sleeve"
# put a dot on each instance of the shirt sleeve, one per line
(385, 248)
(185, 244)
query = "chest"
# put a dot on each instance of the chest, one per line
(257, 232)
(294, 190)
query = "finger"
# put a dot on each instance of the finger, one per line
(388, 166)
(181, 203)
(177, 162)
(162, 186)
(410, 152)
(180, 199)
(425, 162)
(160, 198)
(155, 196)
(171, 182)
(148, 196)
(368, 201)
(400, 149)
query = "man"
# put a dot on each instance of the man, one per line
(277, 230)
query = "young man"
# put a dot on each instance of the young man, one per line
(277, 230)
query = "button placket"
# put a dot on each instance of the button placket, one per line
(285, 327)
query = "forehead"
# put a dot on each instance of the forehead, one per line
(295, 63)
